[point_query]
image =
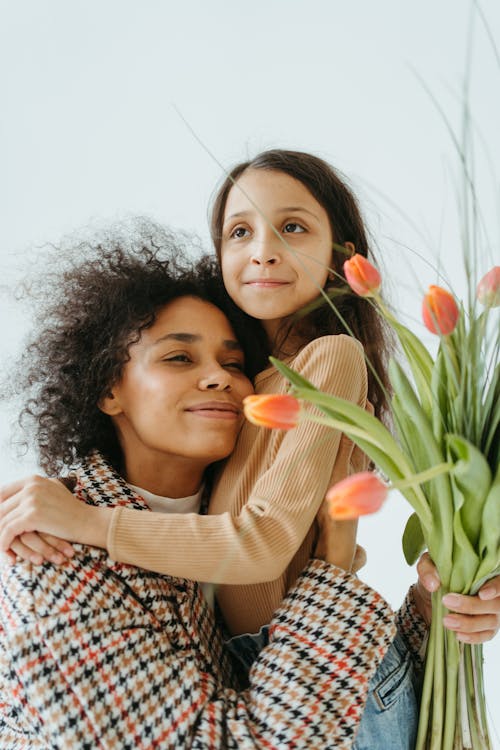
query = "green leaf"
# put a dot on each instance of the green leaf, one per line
(439, 399)
(471, 477)
(489, 540)
(465, 559)
(385, 453)
(413, 539)
(491, 416)
(420, 362)
(415, 429)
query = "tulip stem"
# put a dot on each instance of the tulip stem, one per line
(423, 476)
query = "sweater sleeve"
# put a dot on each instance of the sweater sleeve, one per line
(257, 544)
(103, 658)
(414, 630)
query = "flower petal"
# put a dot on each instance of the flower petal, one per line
(488, 289)
(362, 276)
(440, 312)
(273, 410)
(357, 495)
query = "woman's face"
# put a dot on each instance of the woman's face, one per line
(267, 279)
(178, 404)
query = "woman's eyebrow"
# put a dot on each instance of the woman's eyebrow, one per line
(188, 338)
(192, 338)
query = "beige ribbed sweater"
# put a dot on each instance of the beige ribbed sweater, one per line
(259, 532)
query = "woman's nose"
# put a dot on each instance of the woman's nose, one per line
(217, 380)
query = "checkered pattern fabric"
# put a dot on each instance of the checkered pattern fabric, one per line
(99, 655)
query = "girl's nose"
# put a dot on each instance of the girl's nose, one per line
(266, 252)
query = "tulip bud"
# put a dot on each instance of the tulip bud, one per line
(440, 311)
(357, 495)
(273, 410)
(362, 277)
(488, 289)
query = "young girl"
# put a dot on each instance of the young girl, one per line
(260, 529)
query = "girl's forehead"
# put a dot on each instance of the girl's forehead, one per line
(270, 185)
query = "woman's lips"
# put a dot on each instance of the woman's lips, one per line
(215, 410)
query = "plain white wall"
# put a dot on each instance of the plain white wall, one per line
(89, 131)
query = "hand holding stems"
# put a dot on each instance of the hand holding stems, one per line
(474, 619)
(38, 515)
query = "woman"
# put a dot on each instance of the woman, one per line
(135, 380)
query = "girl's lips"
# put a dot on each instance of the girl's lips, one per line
(266, 283)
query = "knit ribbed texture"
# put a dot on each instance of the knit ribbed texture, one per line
(97, 655)
(260, 524)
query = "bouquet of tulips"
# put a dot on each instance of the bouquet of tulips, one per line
(444, 458)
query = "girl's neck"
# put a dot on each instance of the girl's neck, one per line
(284, 340)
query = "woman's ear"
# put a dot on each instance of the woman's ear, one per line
(350, 247)
(110, 404)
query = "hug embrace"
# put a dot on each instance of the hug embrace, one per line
(184, 586)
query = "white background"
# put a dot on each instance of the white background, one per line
(89, 131)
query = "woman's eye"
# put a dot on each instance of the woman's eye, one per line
(235, 366)
(239, 233)
(177, 358)
(293, 228)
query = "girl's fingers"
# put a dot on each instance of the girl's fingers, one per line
(7, 490)
(37, 544)
(59, 545)
(25, 553)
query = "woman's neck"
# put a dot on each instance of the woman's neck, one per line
(167, 477)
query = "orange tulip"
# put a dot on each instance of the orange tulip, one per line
(362, 277)
(440, 311)
(358, 495)
(273, 410)
(488, 289)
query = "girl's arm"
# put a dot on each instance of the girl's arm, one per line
(287, 474)
(258, 543)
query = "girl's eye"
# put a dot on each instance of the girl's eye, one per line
(239, 233)
(293, 228)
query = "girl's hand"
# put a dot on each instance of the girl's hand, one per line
(38, 548)
(46, 506)
(475, 619)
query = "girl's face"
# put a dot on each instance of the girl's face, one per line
(178, 404)
(267, 279)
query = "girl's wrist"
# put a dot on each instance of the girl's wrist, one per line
(93, 529)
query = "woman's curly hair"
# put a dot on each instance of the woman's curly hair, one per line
(94, 306)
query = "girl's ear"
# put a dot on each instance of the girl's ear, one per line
(110, 404)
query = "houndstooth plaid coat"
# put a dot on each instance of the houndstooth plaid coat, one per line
(96, 655)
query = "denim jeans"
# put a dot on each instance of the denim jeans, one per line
(390, 718)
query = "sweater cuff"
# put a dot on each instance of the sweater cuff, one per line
(413, 629)
(112, 532)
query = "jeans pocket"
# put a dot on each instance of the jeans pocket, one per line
(390, 717)
(394, 677)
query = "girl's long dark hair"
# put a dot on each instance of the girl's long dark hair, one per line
(360, 317)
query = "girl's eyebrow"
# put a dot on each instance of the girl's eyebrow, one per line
(192, 338)
(284, 210)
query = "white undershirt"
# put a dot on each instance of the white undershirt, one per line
(191, 504)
